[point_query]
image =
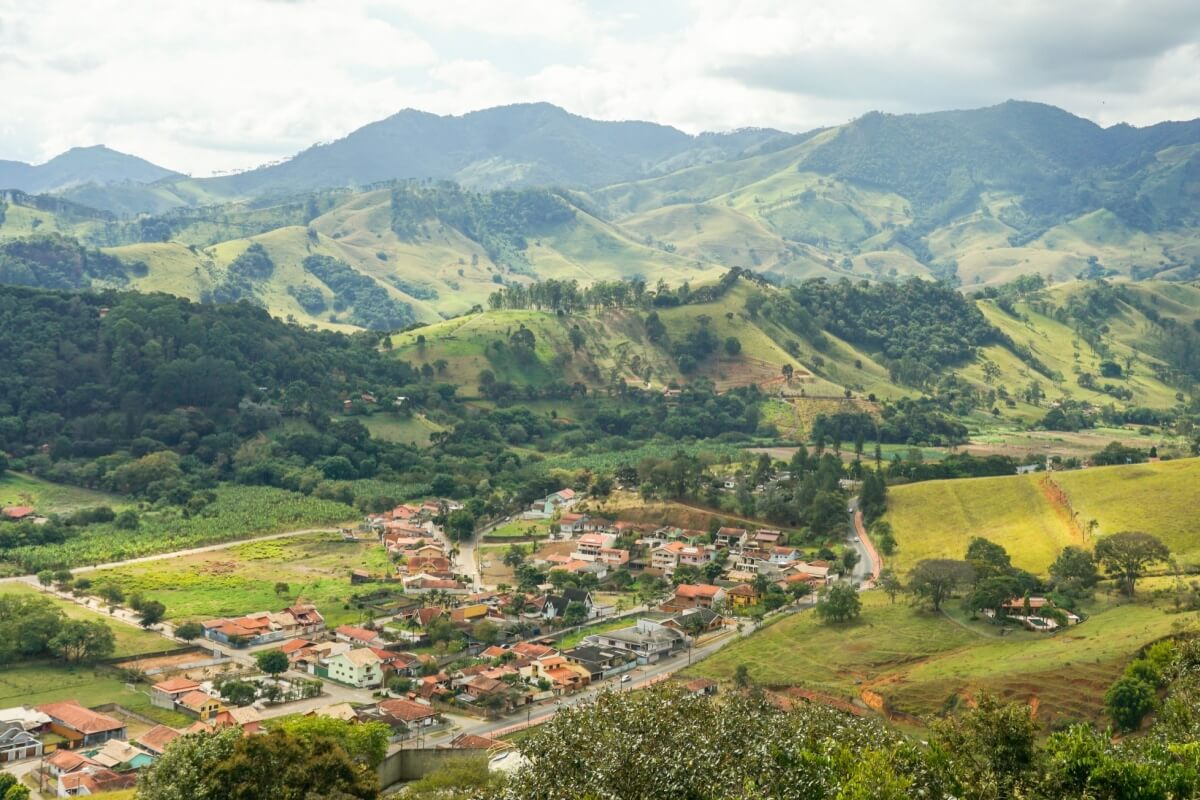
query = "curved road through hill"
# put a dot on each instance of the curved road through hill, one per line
(866, 571)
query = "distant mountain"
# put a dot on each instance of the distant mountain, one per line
(80, 166)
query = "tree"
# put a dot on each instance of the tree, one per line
(239, 693)
(988, 751)
(486, 632)
(787, 370)
(576, 337)
(841, 603)
(111, 593)
(732, 346)
(272, 662)
(934, 580)
(1128, 701)
(575, 613)
(46, 578)
(189, 631)
(850, 558)
(151, 613)
(282, 588)
(890, 584)
(884, 538)
(183, 771)
(18, 791)
(987, 558)
(79, 641)
(460, 525)
(514, 556)
(1126, 556)
(364, 742)
(1075, 566)
(741, 676)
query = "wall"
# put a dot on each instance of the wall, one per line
(412, 764)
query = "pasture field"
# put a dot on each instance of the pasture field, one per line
(519, 529)
(238, 512)
(131, 641)
(19, 489)
(1035, 516)
(242, 578)
(911, 663)
(388, 427)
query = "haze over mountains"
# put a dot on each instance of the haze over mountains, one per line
(435, 212)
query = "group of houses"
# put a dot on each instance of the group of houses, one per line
(410, 534)
(264, 627)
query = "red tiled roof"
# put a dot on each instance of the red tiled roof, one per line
(352, 632)
(196, 699)
(696, 590)
(67, 760)
(84, 720)
(175, 685)
(157, 738)
(471, 741)
(406, 710)
(18, 512)
(292, 645)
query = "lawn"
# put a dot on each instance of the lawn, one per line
(519, 529)
(915, 663)
(241, 579)
(389, 427)
(19, 489)
(574, 639)
(131, 641)
(1035, 516)
(36, 683)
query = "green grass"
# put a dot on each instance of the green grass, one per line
(394, 428)
(19, 489)
(239, 512)
(916, 663)
(578, 636)
(130, 641)
(1027, 513)
(519, 529)
(241, 579)
(37, 683)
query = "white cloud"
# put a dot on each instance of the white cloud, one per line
(204, 86)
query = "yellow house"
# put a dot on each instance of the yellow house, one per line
(742, 595)
(203, 706)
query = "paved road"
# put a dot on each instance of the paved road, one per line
(866, 569)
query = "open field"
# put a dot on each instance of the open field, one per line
(242, 578)
(519, 529)
(131, 641)
(1035, 516)
(33, 683)
(19, 489)
(238, 512)
(911, 663)
(390, 427)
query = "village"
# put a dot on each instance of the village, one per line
(449, 661)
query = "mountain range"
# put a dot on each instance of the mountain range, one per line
(435, 212)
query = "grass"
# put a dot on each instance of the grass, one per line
(241, 579)
(37, 683)
(1035, 516)
(51, 498)
(388, 427)
(130, 641)
(519, 529)
(574, 639)
(915, 663)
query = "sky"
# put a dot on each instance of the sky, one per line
(208, 86)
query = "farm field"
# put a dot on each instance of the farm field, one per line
(131, 641)
(242, 578)
(238, 512)
(19, 489)
(389, 427)
(912, 664)
(1035, 516)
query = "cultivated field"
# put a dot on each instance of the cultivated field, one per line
(242, 578)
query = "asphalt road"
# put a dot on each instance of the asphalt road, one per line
(864, 570)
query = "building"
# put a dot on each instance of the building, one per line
(16, 743)
(556, 605)
(601, 662)
(590, 546)
(743, 595)
(94, 780)
(733, 538)
(263, 627)
(693, 621)
(407, 717)
(121, 756)
(359, 637)
(691, 595)
(563, 498)
(199, 705)
(360, 668)
(166, 693)
(666, 557)
(647, 641)
(155, 740)
(80, 726)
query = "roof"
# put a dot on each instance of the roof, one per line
(18, 512)
(1034, 602)
(743, 590)
(292, 645)
(67, 760)
(176, 685)
(115, 752)
(471, 741)
(565, 494)
(699, 685)
(362, 657)
(351, 632)
(697, 590)
(86, 721)
(342, 711)
(157, 738)
(673, 547)
(406, 710)
(731, 532)
(197, 699)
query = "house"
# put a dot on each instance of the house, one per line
(470, 613)
(590, 545)
(696, 555)
(342, 711)
(691, 595)
(648, 641)
(822, 570)
(532, 650)
(81, 726)
(409, 715)
(155, 740)
(94, 780)
(199, 705)
(29, 719)
(766, 537)
(784, 555)
(600, 662)
(359, 637)
(166, 693)
(733, 538)
(396, 663)
(64, 762)
(614, 556)
(121, 756)
(563, 498)
(743, 595)
(262, 627)
(701, 686)
(17, 513)
(695, 620)
(1036, 619)
(556, 605)
(666, 557)
(359, 668)
(16, 743)
(573, 523)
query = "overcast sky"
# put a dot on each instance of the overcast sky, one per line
(210, 85)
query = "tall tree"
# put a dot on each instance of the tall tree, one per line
(1127, 555)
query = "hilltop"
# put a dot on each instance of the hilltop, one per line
(81, 166)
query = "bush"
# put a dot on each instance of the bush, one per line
(1128, 701)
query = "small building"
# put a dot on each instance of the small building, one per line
(120, 756)
(733, 538)
(743, 595)
(200, 705)
(601, 662)
(80, 726)
(701, 686)
(165, 694)
(359, 637)
(155, 740)
(17, 513)
(405, 717)
(359, 668)
(695, 620)
(647, 640)
(691, 595)
(16, 743)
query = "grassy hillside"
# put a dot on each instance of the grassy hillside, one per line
(1035, 516)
